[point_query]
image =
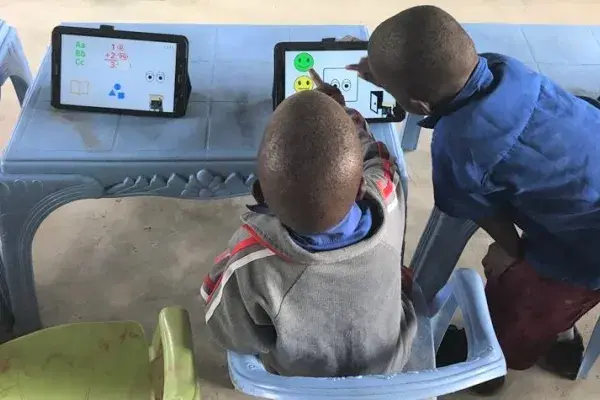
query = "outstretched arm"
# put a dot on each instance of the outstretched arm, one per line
(378, 164)
(326, 88)
(503, 231)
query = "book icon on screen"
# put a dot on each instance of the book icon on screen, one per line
(79, 87)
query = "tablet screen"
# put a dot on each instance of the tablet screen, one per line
(370, 100)
(117, 73)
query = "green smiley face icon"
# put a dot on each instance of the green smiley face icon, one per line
(303, 62)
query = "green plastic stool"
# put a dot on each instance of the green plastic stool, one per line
(102, 361)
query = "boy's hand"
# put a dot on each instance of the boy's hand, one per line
(326, 88)
(496, 261)
(350, 38)
(363, 69)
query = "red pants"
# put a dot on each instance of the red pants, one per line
(528, 312)
(407, 280)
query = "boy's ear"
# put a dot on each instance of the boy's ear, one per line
(362, 189)
(257, 192)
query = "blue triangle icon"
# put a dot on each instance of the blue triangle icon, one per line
(112, 93)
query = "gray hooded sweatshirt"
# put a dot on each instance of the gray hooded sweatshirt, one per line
(321, 314)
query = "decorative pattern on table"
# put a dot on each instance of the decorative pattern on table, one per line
(202, 185)
(29, 200)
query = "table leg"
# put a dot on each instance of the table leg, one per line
(14, 65)
(21, 86)
(411, 132)
(25, 201)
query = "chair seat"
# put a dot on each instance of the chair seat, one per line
(91, 361)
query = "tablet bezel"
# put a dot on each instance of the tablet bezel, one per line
(279, 67)
(182, 86)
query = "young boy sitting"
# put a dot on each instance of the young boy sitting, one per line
(509, 148)
(311, 282)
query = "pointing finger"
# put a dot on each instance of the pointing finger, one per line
(315, 77)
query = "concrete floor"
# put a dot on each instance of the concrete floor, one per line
(125, 259)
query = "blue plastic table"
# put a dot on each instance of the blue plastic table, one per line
(13, 63)
(56, 157)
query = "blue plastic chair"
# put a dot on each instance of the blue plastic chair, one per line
(449, 236)
(13, 63)
(421, 380)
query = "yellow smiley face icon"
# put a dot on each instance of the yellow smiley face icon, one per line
(303, 83)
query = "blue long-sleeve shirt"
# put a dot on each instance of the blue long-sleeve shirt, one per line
(514, 143)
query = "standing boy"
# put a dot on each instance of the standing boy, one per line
(509, 148)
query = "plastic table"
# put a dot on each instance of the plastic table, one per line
(13, 66)
(56, 157)
(13, 63)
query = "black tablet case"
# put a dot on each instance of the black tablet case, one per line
(275, 95)
(187, 83)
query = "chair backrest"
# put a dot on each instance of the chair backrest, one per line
(172, 357)
(484, 362)
(245, 368)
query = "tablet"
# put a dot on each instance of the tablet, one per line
(124, 72)
(329, 59)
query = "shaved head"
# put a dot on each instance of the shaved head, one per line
(310, 162)
(422, 53)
